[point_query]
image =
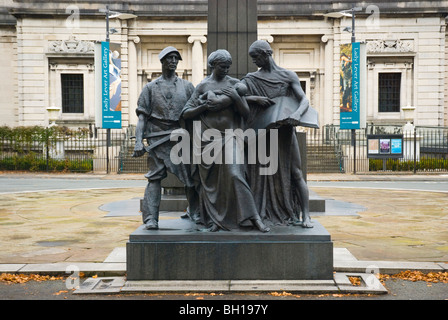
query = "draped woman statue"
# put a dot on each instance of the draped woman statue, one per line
(277, 101)
(226, 201)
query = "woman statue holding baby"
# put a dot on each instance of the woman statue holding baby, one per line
(217, 106)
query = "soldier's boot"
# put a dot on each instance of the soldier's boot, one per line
(151, 204)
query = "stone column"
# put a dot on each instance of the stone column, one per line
(133, 81)
(328, 112)
(53, 86)
(197, 58)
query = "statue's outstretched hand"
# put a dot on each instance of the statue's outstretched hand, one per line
(265, 102)
(139, 150)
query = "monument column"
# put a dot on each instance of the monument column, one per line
(232, 25)
(133, 79)
(197, 60)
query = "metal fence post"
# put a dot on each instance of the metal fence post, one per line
(47, 150)
(415, 149)
(107, 149)
(354, 150)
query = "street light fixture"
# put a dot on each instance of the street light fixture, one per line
(122, 16)
(346, 13)
(114, 14)
(337, 15)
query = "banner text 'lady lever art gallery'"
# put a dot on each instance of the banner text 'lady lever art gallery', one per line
(352, 86)
(108, 85)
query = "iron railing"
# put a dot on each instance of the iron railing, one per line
(47, 149)
(329, 149)
(425, 149)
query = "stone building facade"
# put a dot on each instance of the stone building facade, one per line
(48, 46)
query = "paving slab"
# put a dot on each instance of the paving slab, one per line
(70, 267)
(177, 286)
(101, 285)
(386, 267)
(11, 267)
(368, 284)
(444, 266)
(284, 285)
(341, 283)
(342, 254)
(118, 255)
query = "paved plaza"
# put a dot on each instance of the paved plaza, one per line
(383, 222)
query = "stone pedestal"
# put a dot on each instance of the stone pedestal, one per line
(179, 251)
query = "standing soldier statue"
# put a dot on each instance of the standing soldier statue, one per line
(159, 108)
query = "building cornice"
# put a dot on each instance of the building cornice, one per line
(181, 9)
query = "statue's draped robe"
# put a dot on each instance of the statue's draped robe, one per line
(276, 196)
(225, 196)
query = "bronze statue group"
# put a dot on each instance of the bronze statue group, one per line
(229, 196)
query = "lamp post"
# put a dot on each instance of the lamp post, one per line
(110, 15)
(338, 15)
(346, 13)
(114, 14)
(353, 10)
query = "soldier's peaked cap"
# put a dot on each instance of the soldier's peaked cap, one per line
(168, 50)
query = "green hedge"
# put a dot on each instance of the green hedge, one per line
(33, 162)
(425, 164)
(19, 145)
(23, 138)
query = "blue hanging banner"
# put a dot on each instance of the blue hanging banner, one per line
(108, 80)
(352, 86)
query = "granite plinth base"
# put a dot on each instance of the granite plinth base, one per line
(179, 250)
